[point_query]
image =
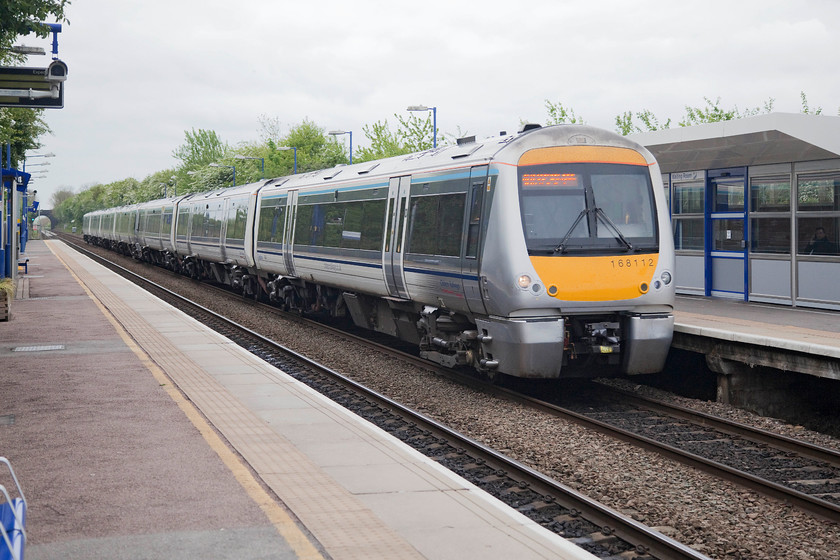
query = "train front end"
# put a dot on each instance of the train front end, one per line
(583, 269)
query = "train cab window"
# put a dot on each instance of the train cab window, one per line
(587, 206)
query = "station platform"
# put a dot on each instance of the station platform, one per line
(805, 330)
(138, 433)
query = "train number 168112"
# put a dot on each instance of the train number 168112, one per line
(631, 262)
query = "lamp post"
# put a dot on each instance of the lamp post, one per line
(228, 166)
(262, 163)
(339, 133)
(174, 185)
(287, 148)
(434, 119)
(25, 157)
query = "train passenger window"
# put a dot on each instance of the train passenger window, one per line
(373, 218)
(183, 221)
(272, 213)
(435, 224)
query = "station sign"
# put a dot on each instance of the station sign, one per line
(34, 88)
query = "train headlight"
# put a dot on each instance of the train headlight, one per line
(666, 277)
(523, 281)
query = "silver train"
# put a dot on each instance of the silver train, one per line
(543, 254)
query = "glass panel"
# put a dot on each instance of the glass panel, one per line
(817, 236)
(688, 198)
(729, 197)
(583, 205)
(818, 194)
(626, 199)
(770, 196)
(728, 235)
(688, 234)
(270, 228)
(770, 235)
(371, 227)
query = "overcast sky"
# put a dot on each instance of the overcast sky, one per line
(143, 72)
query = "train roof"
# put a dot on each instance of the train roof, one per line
(505, 148)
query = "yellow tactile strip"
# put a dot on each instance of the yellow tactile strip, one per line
(340, 523)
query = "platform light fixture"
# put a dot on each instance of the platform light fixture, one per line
(287, 148)
(434, 119)
(262, 163)
(339, 133)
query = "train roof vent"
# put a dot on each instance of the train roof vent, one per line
(466, 140)
(332, 173)
(368, 169)
(529, 126)
(464, 151)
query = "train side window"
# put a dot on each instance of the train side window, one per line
(303, 225)
(372, 224)
(436, 223)
(271, 220)
(475, 219)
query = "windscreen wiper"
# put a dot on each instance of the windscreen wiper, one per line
(561, 247)
(599, 212)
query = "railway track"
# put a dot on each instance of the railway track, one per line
(601, 530)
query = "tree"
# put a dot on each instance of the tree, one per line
(414, 134)
(21, 128)
(805, 108)
(714, 113)
(558, 114)
(314, 149)
(60, 196)
(22, 17)
(625, 125)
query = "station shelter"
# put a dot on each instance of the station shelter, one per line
(755, 207)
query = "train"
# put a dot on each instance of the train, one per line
(542, 254)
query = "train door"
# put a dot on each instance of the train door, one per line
(392, 253)
(726, 234)
(470, 261)
(289, 233)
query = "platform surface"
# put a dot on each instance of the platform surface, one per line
(811, 331)
(117, 463)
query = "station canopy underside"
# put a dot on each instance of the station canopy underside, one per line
(763, 140)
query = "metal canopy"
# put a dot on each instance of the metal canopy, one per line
(766, 139)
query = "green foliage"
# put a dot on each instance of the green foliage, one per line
(806, 109)
(625, 125)
(21, 128)
(22, 17)
(415, 134)
(558, 114)
(60, 196)
(714, 113)
(314, 149)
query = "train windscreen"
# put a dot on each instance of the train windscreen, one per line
(599, 207)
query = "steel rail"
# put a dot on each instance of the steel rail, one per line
(758, 435)
(815, 506)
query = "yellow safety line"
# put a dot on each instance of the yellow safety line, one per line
(279, 517)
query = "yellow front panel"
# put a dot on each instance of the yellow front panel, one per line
(572, 154)
(596, 278)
